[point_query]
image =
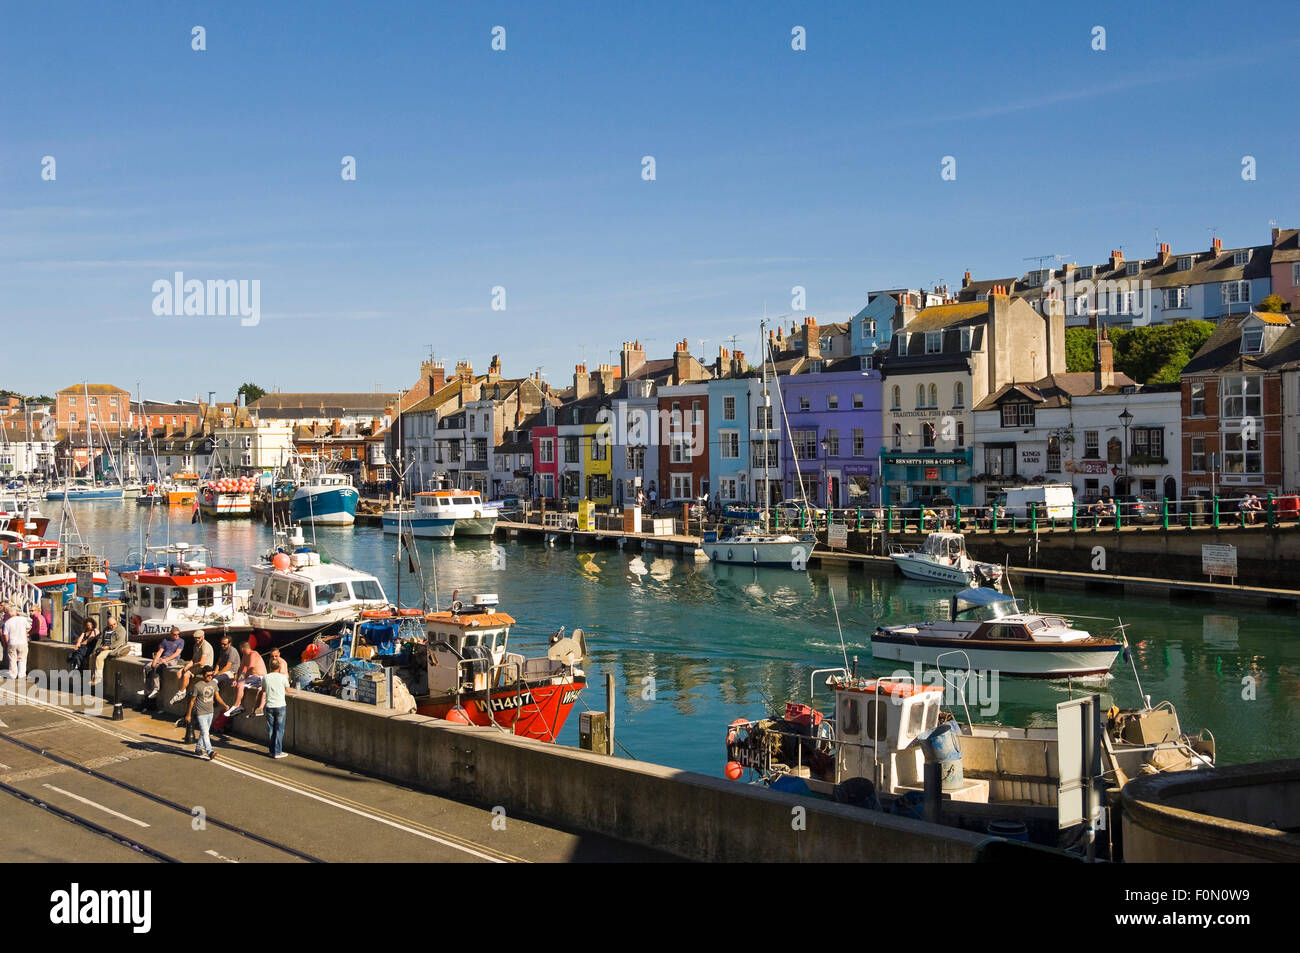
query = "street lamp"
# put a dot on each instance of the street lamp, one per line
(1126, 418)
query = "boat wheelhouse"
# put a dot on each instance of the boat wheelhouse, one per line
(177, 585)
(441, 513)
(326, 499)
(22, 517)
(297, 592)
(1005, 640)
(184, 488)
(227, 497)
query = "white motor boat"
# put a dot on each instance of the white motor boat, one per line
(298, 592)
(438, 514)
(1006, 640)
(177, 585)
(943, 558)
(747, 544)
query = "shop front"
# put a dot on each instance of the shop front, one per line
(916, 478)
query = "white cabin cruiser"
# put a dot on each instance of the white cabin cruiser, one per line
(1005, 640)
(943, 558)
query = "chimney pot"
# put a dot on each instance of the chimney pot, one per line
(1217, 246)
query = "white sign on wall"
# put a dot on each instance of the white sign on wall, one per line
(1219, 560)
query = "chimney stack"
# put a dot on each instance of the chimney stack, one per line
(737, 363)
(1277, 233)
(812, 342)
(965, 279)
(633, 358)
(1104, 376)
(607, 376)
(681, 363)
(581, 382)
(1217, 246)
(494, 369)
(1163, 253)
(433, 372)
(1116, 258)
(336, 427)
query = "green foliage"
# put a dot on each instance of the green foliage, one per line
(250, 392)
(1151, 355)
(1078, 349)
(1273, 304)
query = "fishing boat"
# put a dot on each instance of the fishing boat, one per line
(943, 558)
(184, 488)
(326, 499)
(177, 585)
(299, 592)
(438, 514)
(746, 543)
(987, 631)
(45, 564)
(471, 676)
(231, 496)
(22, 517)
(872, 749)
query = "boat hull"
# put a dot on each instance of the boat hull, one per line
(1035, 660)
(785, 555)
(929, 571)
(537, 712)
(423, 527)
(312, 622)
(476, 525)
(98, 493)
(66, 583)
(324, 506)
(226, 504)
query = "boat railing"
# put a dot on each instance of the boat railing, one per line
(959, 690)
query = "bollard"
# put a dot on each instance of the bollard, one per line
(117, 697)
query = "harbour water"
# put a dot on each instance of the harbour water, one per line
(693, 646)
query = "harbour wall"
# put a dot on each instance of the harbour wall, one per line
(691, 815)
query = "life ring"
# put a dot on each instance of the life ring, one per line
(733, 729)
(410, 612)
(375, 614)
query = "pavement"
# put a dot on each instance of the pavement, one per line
(151, 799)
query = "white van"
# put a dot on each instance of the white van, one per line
(1048, 500)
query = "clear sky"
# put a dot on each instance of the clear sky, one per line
(523, 169)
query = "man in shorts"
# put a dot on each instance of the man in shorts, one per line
(168, 656)
(250, 676)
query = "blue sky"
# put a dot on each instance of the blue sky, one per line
(522, 169)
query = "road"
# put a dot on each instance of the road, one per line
(78, 786)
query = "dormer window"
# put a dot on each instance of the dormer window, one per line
(902, 343)
(933, 342)
(965, 339)
(1241, 257)
(865, 362)
(1083, 271)
(982, 296)
(1184, 262)
(1252, 341)
(1132, 268)
(814, 367)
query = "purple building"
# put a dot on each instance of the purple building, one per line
(834, 412)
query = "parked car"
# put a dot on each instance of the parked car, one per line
(793, 511)
(1136, 509)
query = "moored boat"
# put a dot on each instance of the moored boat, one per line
(747, 544)
(1005, 640)
(437, 514)
(176, 585)
(45, 564)
(326, 499)
(184, 488)
(943, 558)
(227, 497)
(84, 489)
(297, 592)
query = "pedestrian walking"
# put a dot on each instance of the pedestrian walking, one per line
(276, 684)
(204, 694)
(15, 638)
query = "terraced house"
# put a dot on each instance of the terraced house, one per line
(1233, 410)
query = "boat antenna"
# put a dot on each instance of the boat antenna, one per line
(1132, 662)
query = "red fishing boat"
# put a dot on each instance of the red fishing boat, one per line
(473, 678)
(176, 585)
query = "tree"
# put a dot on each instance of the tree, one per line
(1273, 304)
(1155, 354)
(250, 392)
(1079, 343)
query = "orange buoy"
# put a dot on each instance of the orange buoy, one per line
(457, 716)
(311, 651)
(281, 561)
(733, 771)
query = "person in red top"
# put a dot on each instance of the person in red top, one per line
(38, 630)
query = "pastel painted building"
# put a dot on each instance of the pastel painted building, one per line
(872, 328)
(546, 469)
(1285, 262)
(834, 415)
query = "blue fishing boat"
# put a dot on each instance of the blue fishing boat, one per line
(327, 499)
(85, 490)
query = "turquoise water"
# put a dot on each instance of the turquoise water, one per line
(692, 645)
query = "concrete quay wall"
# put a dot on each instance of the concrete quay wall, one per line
(691, 815)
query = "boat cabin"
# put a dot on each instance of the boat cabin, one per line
(946, 548)
(176, 586)
(32, 553)
(434, 502)
(308, 587)
(330, 480)
(877, 724)
(465, 643)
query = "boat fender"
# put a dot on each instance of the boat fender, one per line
(733, 729)
(730, 555)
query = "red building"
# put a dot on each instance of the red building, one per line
(546, 467)
(1232, 407)
(683, 438)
